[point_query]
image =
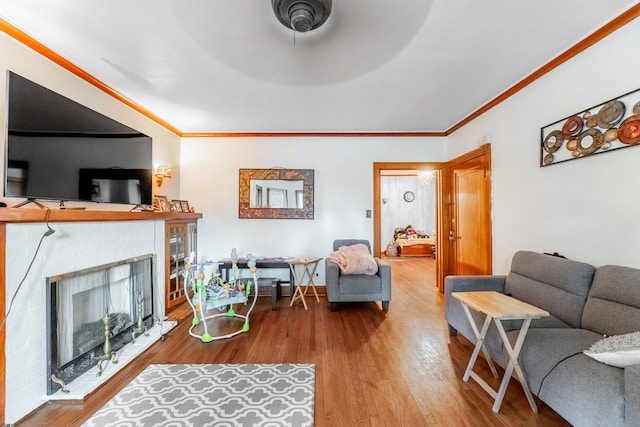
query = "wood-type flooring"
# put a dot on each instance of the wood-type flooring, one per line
(399, 368)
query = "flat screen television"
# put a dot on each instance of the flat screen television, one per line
(58, 149)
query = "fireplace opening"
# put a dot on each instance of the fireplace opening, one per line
(93, 313)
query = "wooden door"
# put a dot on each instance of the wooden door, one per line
(469, 233)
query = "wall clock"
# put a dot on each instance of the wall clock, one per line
(409, 196)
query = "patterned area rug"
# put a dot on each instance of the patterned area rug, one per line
(214, 395)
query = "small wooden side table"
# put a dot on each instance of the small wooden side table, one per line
(499, 307)
(308, 268)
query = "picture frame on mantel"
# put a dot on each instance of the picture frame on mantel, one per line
(176, 206)
(163, 202)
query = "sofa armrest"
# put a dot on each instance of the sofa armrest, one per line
(453, 311)
(332, 280)
(632, 395)
(384, 271)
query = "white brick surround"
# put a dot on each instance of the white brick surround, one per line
(74, 246)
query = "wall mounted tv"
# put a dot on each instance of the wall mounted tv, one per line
(58, 149)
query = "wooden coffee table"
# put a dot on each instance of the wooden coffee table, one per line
(499, 307)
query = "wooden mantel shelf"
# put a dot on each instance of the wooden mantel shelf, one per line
(17, 215)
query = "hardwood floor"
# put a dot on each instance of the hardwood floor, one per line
(372, 369)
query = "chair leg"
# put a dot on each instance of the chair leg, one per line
(334, 306)
(385, 305)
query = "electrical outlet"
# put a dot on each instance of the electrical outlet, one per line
(368, 213)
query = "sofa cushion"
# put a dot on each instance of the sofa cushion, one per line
(580, 389)
(557, 285)
(613, 304)
(494, 342)
(360, 284)
(618, 350)
(586, 392)
(544, 348)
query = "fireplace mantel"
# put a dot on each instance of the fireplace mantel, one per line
(16, 215)
(26, 215)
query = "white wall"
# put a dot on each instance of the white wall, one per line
(586, 209)
(343, 190)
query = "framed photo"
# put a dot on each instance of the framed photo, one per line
(176, 206)
(155, 204)
(163, 202)
(185, 206)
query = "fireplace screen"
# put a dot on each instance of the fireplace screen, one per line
(93, 313)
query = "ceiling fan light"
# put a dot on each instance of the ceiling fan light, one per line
(302, 15)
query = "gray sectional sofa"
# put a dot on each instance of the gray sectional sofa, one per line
(585, 304)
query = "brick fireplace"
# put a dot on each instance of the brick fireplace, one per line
(82, 240)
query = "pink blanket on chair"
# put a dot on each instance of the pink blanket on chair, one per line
(355, 259)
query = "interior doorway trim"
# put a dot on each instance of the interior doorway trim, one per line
(378, 168)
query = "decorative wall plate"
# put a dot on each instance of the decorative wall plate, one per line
(606, 127)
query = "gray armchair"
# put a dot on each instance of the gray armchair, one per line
(357, 287)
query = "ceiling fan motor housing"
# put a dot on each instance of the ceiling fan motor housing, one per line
(302, 15)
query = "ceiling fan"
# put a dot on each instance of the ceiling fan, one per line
(302, 15)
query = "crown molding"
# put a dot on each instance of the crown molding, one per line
(581, 46)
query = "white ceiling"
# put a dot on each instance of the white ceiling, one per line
(375, 65)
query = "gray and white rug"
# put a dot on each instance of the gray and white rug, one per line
(269, 395)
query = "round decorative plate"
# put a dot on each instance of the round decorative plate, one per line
(597, 139)
(572, 127)
(610, 114)
(629, 131)
(553, 141)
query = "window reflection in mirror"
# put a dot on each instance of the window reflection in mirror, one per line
(276, 194)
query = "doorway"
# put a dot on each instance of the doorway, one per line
(407, 213)
(463, 212)
(408, 194)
